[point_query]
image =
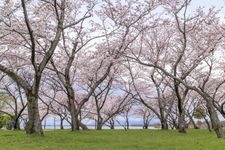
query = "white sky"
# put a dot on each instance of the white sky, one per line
(219, 4)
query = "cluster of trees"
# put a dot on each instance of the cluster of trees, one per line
(98, 59)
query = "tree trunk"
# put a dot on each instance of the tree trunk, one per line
(145, 126)
(145, 122)
(112, 124)
(33, 125)
(83, 126)
(16, 124)
(76, 122)
(164, 124)
(72, 109)
(61, 123)
(180, 103)
(54, 124)
(216, 124)
(127, 126)
(208, 124)
(99, 126)
(181, 122)
(193, 122)
(99, 122)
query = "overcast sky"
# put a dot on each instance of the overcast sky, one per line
(209, 3)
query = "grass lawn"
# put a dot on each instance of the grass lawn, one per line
(112, 140)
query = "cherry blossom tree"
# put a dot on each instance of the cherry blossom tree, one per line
(31, 37)
(153, 90)
(146, 114)
(62, 57)
(111, 101)
(191, 39)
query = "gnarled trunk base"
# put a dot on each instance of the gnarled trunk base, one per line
(33, 126)
(181, 124)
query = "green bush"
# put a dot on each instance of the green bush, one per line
(1, 122)
(4, 119)
(1, 125)
(200, 112)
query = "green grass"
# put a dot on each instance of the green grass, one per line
(112, 140)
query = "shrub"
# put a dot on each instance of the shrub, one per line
(4, 119)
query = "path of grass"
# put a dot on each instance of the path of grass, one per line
(112, 140)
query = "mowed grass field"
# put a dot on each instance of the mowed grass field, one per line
(112, 140)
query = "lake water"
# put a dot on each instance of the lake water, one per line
(93, 127)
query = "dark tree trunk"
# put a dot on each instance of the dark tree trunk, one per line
(145, 122)
(193, 122)
(181, 122)
(145, 126)
(180, 103)
(17, 117)
(99, 122)
(16, 123)
(208, 124)
(164, 124)
(112, 124)
(76, 122)
(72, 109)
(127, 126)
(33, 125)
(83, 126)
(99, 126)
(61, 123)
(54, 123)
